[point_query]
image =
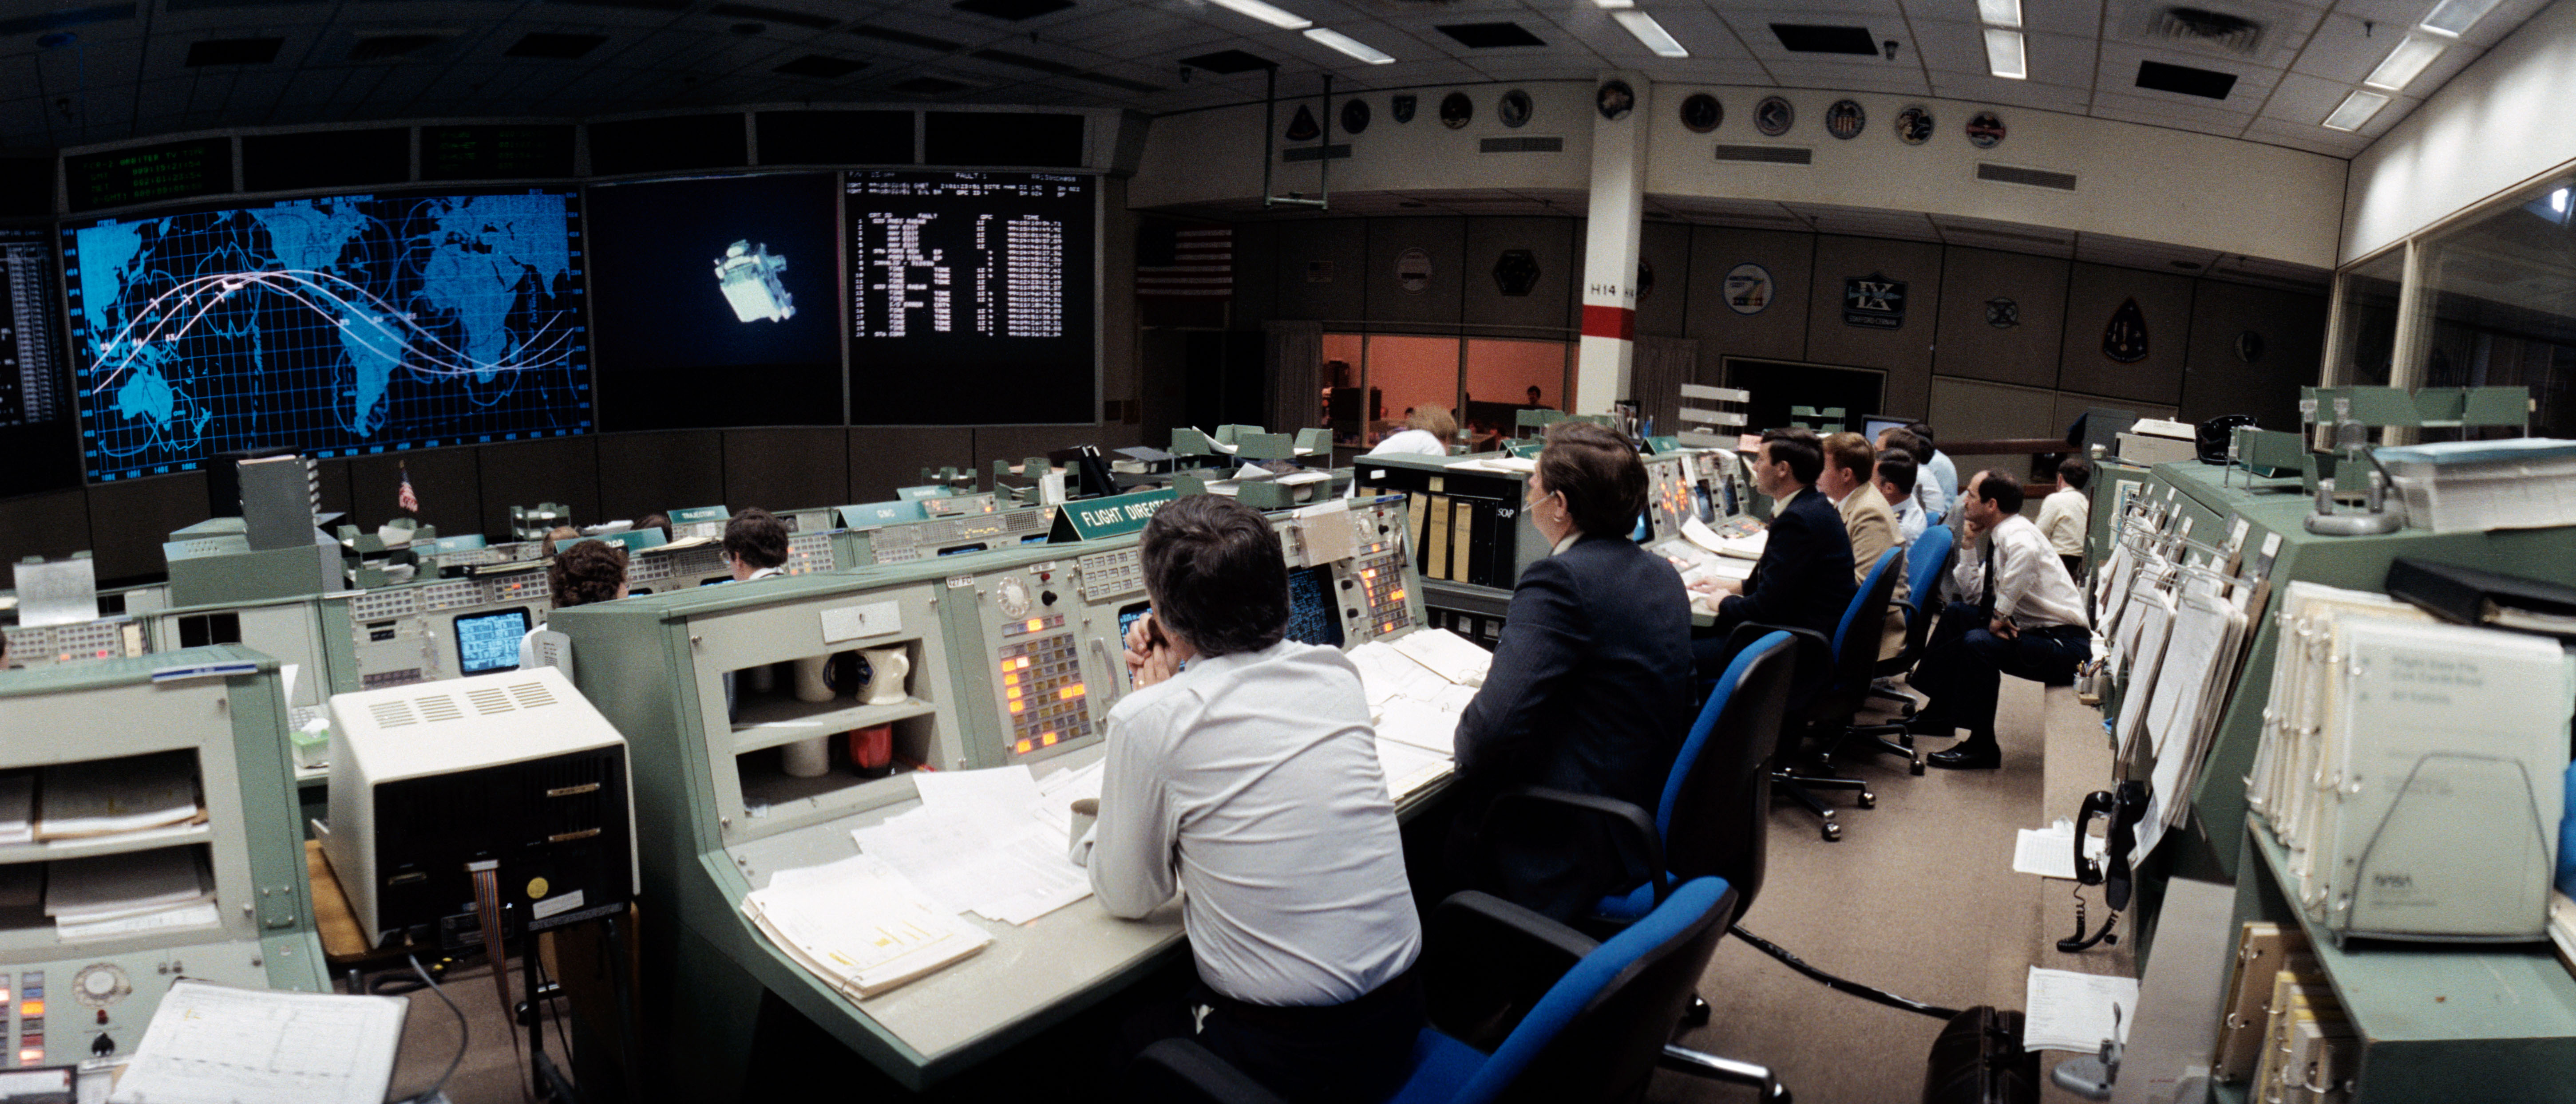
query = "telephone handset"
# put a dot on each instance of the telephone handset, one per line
(2125, 805)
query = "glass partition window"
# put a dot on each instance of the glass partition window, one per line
(2501, 288)
(2367, 316)
(1405, 372)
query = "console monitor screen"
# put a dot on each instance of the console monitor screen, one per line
(1127, 618)
(335, 326)
(1312, 618)
(487, 642)
(699, 286)
(970, 297)
(1872, 425)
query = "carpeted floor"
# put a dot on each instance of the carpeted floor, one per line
(1918, 898)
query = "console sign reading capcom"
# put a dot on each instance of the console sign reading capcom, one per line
(1107, 517)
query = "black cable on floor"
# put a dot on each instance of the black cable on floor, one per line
(1864, 992)
(464, 1033)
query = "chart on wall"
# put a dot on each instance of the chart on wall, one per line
(339, 326)
(716, 301)
(971, 297)
(35, 408)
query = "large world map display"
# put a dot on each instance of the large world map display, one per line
(335, 326)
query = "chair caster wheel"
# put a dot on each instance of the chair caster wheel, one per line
(1697, 1014)
(1868, 800)
(1833, 832)
(1918, 766)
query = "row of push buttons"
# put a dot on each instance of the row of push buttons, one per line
(1043, 691)
(31, 1017)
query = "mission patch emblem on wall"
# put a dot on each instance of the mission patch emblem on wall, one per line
(2125, 339)
(1456, 109)
(1914, 125)
(1748, 288)
(1874, 302)
(1516, 271)
(1303, 127)
(1615, 100)
(1355, 115)
(1845, 119)
(2003, 314)
(1985, 130)
(1701, 112)
(1413, 269)
(1401, 107)
(1515, 109)
(1773, 116)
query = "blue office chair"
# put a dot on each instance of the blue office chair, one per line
(1925, 562)
(1827, 692)
(1522, 1008)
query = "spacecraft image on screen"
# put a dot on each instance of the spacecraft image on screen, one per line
(748, 276)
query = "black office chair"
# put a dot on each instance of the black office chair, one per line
(1522, 1008)
(1831, 685)
(1925, 563)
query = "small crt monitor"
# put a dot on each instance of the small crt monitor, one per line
(487, 642)
(1871, 425)
(1312, 618)
(1127, 618)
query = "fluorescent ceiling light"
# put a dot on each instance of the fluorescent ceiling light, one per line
(2455, 17)
(2558, 201)
(1350, 46)
(2356, 110)
(2004, 13)
(2405, 63)
(1614, 3)
(2004, 54)
(1255, 8)
(1651, 33)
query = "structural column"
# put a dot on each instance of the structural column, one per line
(1616, 211)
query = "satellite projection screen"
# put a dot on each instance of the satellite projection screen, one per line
(338, 326)
(971, 297)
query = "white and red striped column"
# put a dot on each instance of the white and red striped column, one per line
(1616, 212)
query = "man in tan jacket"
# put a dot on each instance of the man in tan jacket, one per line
(1845, 480)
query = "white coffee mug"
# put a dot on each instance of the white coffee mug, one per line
(808, 758)
(810, 684)
(887, 669)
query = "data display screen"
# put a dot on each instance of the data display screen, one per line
(489, 642)
(337, 326)
(35, 406)
(1127, 618)
(1312, 618)
(716, 302)
(970, 297)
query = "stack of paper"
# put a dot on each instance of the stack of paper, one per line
(1747, 547)
(859, 925)
(1447, 654)
(101, 797)
(1416, 705)
(2198, 674)
(117, 895)
(984, 841)
(209, 1044)
(2064, 1010)
(17, 807)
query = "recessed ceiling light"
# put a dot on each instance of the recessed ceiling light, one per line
(2405, 63)
(1614, 3)
(1287, 21)
(1650, 33)
(1350, 46)
(2356, 110)
(2004, 56)
(2001, 13)
(2455, 17)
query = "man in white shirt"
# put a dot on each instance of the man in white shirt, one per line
(1250, 782)
(1894, 478)
(2066, 514)
(1427, 432)
(2019, 615)
(1927, 484)
(1938, 471)
(755, 545)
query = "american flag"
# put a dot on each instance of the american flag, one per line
(1185, 261)
(409, 502)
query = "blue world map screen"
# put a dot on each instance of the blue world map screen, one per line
(337, 326)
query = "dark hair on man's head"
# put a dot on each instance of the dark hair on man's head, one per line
(1800, 448)
(590, 571)
(756, 537)
(1905, 441)
(1851, 453)
(1923, 430)
(2076, 471)
(1896, 467)
(1598, 472)
(2001, 489)
(1214, 572)
(656, 521)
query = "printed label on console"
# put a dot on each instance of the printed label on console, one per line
(853, 622)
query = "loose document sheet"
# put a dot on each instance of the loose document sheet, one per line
(213, 1044)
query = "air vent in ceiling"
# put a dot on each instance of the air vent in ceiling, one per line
(1226, 63)
(2185, 80)
(1012, 10)
(820, 67)
(1767, 155)
(1487, 36)
(2227, 34)
(2033, 178)
(561, 47)
(906, 38)
(774, 15)
(1521, 145)
(233, 51)
(928, 86)
(1024, 61)
(1809, 38)
(387, 47)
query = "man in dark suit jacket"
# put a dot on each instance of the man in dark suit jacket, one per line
(1804, 578)
(1589, 689)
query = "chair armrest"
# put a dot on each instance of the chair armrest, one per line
(1486, 962)
(1812, 646)
(1182, 1070)
(1630, 823)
